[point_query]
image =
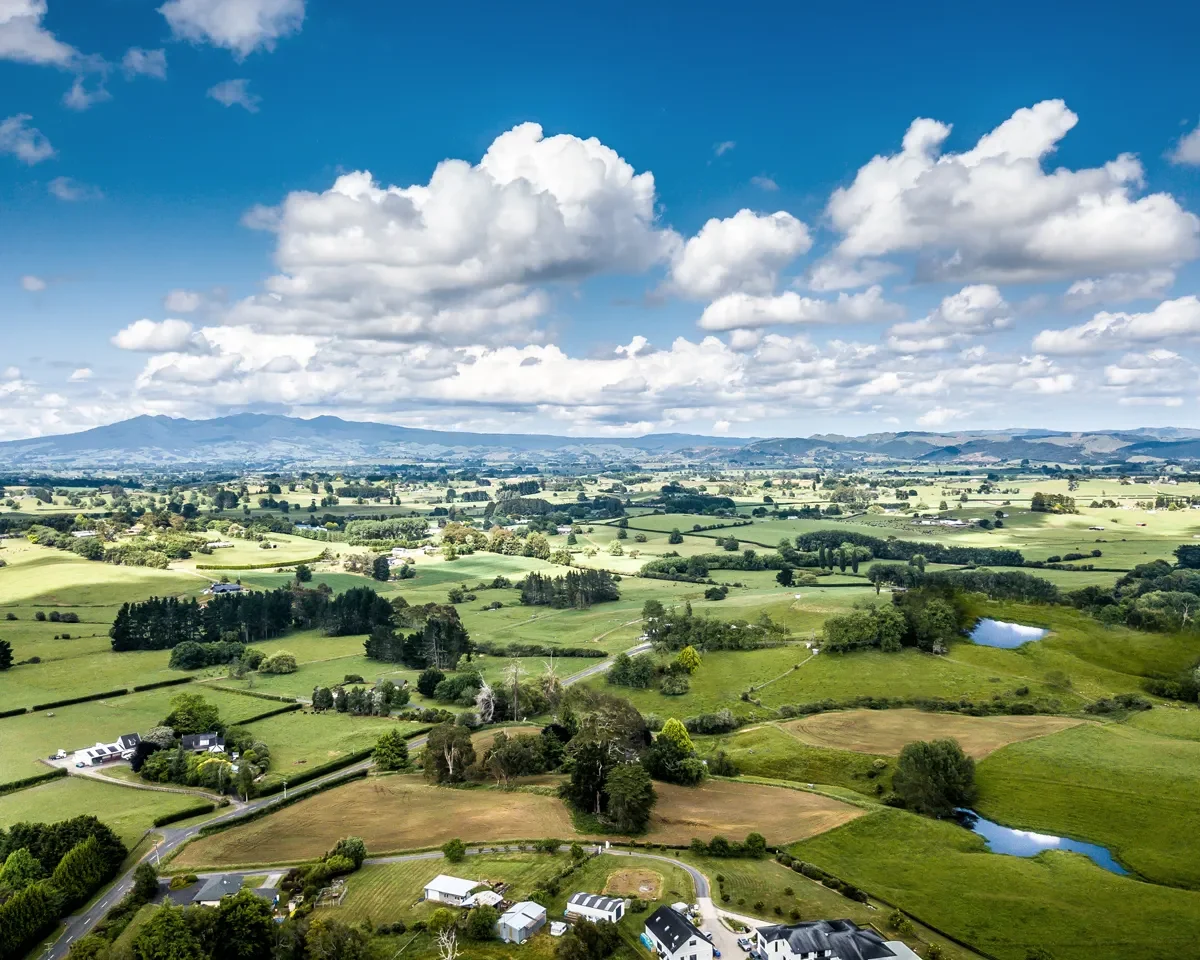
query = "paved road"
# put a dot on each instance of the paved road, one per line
(79, 924)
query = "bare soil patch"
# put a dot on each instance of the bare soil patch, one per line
(736, 809)
(885, 732)
(646, 884)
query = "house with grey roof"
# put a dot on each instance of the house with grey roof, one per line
(670, 935)
(215, 889)
(521, 921)
(828, 940)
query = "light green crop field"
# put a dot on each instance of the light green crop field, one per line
(128, 811)
(1062, 902)
(28, 737)
(301, 739)
(1124, 788)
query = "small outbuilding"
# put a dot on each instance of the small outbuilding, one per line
(594, 907)
(521, 921)
(451, 890)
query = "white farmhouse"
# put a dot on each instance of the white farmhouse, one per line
(590, 906)
(103, 753)
(451, 890)
(671, 936)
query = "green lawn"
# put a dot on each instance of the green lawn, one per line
(300, 739)
(1127, 789)
(128, 811)
(1062, 902)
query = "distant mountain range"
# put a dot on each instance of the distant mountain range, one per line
(261, 441)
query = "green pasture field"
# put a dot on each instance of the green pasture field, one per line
(128, 811)
(769, 751)
(942, 874)
(287, 549)
(302, 739)
(28, 737)
(1124, 788)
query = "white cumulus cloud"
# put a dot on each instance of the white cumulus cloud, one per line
(139, 62)
(743, 310)
(80, 375)
(1187, 150)
(241, 26)
(744, 252)
(150, 336)
(71, 190)
(1118, 288)
(32, 284)
(992, 213)
(974, 310)
(1169, 321)
(182, 301)
(24, 38)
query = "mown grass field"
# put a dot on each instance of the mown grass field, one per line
(886, 732)
(129, 812)
(1061, 902)
(1125, 788)
(302, 739)
(769, 751)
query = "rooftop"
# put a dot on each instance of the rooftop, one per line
(843, 939)
(673, 929)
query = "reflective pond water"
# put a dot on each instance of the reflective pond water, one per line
(998, 633)
(1025, 843)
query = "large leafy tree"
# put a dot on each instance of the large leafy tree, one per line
(391, 751)
(167, 936)
(631, 797)
(244, 928)
(934, 778)
(6, 655)
(191, 713)
(448, 753)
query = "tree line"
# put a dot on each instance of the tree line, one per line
(576, 589)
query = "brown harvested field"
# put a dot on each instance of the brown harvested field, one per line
(389, 813)
(404, 813)
(646, 884)
(885, 732)
(736, 809)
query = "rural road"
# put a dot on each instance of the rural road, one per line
(79, 924)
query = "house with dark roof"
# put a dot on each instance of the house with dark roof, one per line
(219, 588)
(828, 940)
(672, 936)
(215, 889)
(591, 906)
(203, 743)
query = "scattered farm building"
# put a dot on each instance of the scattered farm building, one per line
(218, 588)
(451, 890)
(590, 906)
(521, 921)
(216, 888)
(829, 939)
(671, 936)
(103, 753)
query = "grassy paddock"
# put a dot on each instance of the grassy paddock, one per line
(1005, 905)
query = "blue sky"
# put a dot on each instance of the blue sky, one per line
(697, 238)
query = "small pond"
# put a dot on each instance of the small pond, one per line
(1024, 843)
(998, 633)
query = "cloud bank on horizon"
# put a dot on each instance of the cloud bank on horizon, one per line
(440, 302)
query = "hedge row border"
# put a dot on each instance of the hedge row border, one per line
(14, 785)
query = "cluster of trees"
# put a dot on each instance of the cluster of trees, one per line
(576, 589)
(644, 670)
(675, 629)
(1052, 503)
(1153, 596)
(934, 778)
(928, 619)
(754, 847)
(190, 655)
(379, 701)
(162, 623)
(894, 548)
(396, 530)
(48, 871)
(439, 639)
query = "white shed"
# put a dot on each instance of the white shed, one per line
(451, 890)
